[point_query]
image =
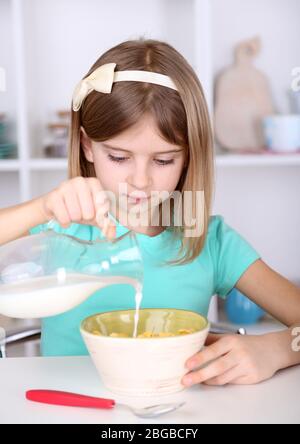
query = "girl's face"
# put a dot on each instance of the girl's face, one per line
(138, 157)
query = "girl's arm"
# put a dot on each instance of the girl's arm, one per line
(16, 221)
(81, 200)
(249, 359)
(271, 291)
(279, 297)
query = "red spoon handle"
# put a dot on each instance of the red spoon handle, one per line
(70, 399)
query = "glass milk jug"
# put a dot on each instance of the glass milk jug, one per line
(49, 273)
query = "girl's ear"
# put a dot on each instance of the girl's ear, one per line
(86, 144)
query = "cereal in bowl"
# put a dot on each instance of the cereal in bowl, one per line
(149, 334)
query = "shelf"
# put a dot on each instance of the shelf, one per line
(9, 165)
(222, 160)
(34, 164)
(233, 160)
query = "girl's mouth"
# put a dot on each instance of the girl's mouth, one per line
(136, 200)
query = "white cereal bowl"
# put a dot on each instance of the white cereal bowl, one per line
(143, 366)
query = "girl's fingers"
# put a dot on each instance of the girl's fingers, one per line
(226, 378)
(241, 380)
(102, 214)
(81, 200)
(72, 204)
(107, 226)
(215, 369)
(251, 378)
(214, 351)
(102, 205)
(61, 213)
(212, 338)
(85, 198)
(112, 231)
(99, 196)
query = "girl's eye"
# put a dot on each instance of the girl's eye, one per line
(117, 159)
(123, 159)
(164, 162)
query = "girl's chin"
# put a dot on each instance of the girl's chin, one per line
(137, 206)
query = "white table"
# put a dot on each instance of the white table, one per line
(276, 400)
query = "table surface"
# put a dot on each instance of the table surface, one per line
(274, 401)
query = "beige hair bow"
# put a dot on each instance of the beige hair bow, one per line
(102, 79)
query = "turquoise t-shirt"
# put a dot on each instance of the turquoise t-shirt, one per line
(223, 260)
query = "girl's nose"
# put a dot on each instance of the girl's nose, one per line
(140, 178)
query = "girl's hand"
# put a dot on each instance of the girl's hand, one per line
(81, 200)
(233, 359)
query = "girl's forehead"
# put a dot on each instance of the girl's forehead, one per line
(143, 136)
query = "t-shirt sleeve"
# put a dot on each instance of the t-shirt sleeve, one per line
(233, 255)
(38, 229)
(53, 225)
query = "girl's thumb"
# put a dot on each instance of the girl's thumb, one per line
(107, 224)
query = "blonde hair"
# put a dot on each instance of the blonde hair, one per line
(181, 116)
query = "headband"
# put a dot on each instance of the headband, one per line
(102, 79)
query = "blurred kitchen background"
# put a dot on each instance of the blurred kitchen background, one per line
(244, 52)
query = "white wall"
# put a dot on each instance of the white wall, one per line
(264, 208)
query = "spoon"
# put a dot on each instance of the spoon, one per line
(77, 400)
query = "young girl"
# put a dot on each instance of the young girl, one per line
(140, 118)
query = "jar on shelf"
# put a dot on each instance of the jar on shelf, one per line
(2, 127)
(64, 115)
(57, 145)
(8, 150)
